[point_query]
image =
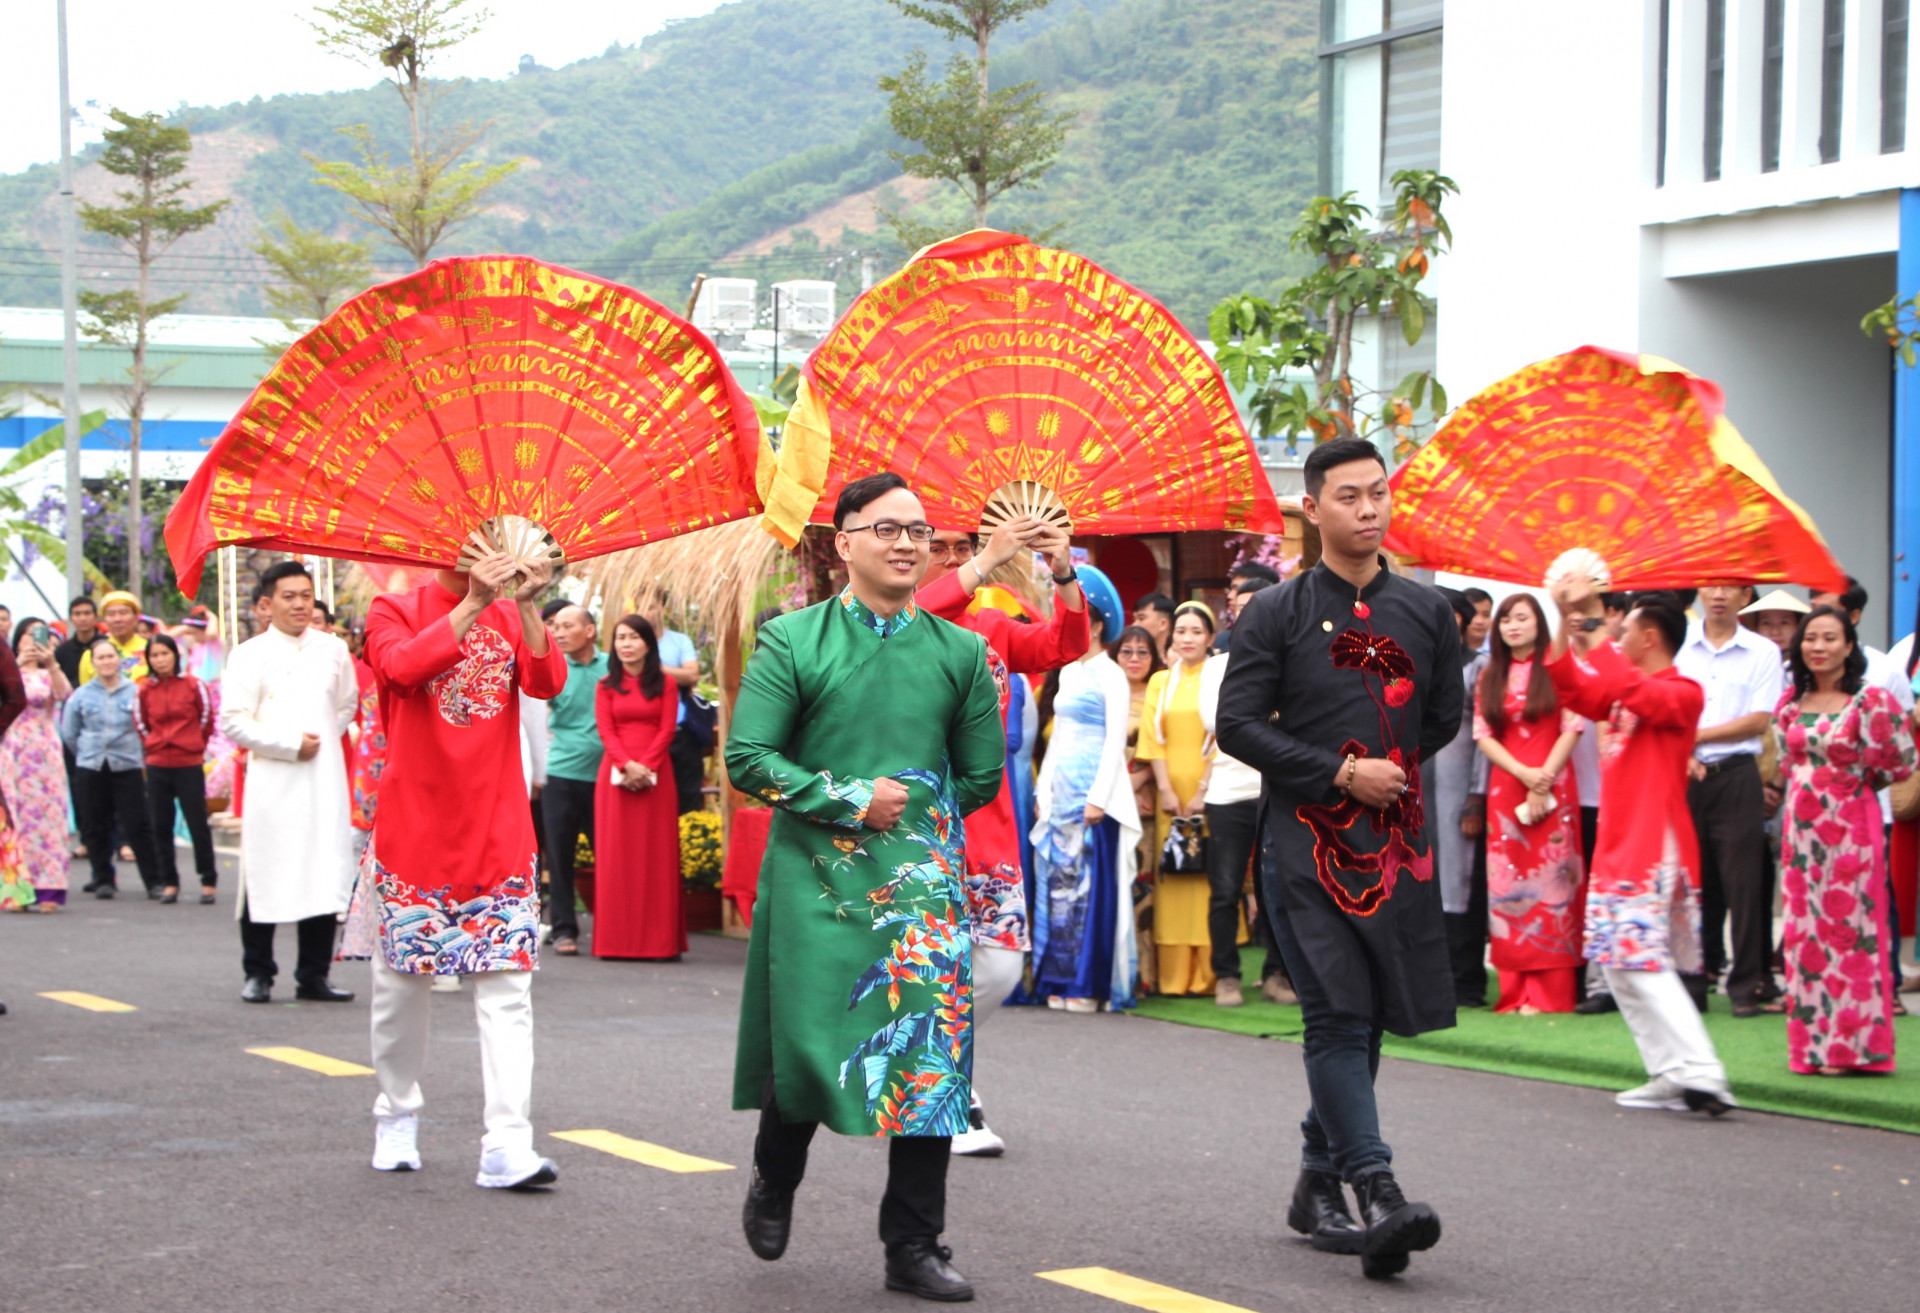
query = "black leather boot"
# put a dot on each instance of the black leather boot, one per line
(767, 1218)
(1395, 1228)
(1319, 1210)
(920, 1267)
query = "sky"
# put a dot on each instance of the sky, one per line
(146, 55)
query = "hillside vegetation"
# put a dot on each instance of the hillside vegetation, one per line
(1194, 153)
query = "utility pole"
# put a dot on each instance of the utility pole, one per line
(776, 338)
(69, 306)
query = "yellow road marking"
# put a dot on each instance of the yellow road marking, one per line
(639, 1151)
(91, 1002)
(319, 1062)
(1118, 1286)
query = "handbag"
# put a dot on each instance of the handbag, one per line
(1905, 795)
(1185, 851)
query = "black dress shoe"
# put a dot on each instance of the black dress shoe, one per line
(1394, 1226)
(1319, 1210)
(154, 895)
(767, 1218)
(90, 886)
(104, 891)
(169, 898)
(1594, 1005)
(920, 1267)
(322, 991)
(258, 989)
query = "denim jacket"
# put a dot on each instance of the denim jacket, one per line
(98, 727)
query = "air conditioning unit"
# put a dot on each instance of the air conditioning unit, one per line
(806, 305)
(726, 305)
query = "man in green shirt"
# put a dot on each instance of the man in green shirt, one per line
(573, 766)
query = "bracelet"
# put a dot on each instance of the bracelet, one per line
(1353, 769)
(979, 579)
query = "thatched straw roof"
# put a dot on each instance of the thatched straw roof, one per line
(713, 579)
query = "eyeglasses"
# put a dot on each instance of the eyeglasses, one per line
(961, 551)
(888, 531)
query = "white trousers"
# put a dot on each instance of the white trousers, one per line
(995, 973)
(1666, 1025)
(503, 1007)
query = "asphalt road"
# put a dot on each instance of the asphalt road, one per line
(150, 1163)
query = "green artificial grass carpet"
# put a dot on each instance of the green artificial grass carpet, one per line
(1598, 1051)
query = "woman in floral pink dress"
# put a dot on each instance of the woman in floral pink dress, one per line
(1844, 740)
(1535, 876)
(33, 773)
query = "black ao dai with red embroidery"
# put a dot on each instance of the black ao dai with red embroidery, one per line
(1319, 671)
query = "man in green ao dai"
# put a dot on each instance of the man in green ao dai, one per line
(871, 728)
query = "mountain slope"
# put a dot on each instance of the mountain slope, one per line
(1194, 153)
(704, 147)
(611, 143)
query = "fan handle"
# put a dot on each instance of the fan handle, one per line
(1022, 498)
(527, 541)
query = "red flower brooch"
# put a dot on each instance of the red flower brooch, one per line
(1355, 649)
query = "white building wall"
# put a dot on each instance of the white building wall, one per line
(1804, 386)
(1541, 107)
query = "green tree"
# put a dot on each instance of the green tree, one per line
(151, 216)
(18, 520)
(984, 142)
(418, 202)
(316, 272)
(1358, 270)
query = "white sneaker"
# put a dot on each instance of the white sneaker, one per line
(1083, 1005)
(978, 1140)
(395, 1143)
(500, 1170)
(1659, 1094)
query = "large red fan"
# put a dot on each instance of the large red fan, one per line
(557, 413)
(1000, 378)
(1630, 458)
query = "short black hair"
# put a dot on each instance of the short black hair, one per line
(1155, 602)
(1254, 570)
(1851, 675)
(861, 493)
(554, 608)
(324, 610)
(271, 576)
(1248, 587)
(1853, 599)
(1341, 451)
(1616, 601)
(1475, 596)
(1655, 610)
(1463, 608)
(79, 602)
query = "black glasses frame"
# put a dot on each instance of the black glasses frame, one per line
(889, 531)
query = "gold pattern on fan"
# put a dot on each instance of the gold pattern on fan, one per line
(1022, 498)
(524, 540)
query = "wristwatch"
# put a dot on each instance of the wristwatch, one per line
(1072, 576)
(1590, 624)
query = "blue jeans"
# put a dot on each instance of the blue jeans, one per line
(1341, 1131)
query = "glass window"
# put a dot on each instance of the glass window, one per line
(1773, 72)
(1716, 81)
(1410, 110)
(1833, 45)
(1405, 13)
(1660, 100)
(1893, 76)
